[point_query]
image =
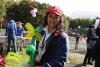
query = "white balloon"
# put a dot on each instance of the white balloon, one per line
(33, 15)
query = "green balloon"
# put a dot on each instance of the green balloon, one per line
(31, 49)
(79, 27)
(38, 29)
(31, 52)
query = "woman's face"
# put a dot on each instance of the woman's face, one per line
(52, 20)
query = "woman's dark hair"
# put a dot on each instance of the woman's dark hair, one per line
(91, 26)
(60, 26)
(90, 32)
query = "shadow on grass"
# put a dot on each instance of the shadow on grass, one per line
(79, 51)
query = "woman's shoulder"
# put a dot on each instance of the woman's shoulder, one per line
(64, 35)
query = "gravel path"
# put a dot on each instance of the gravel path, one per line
(76, 57)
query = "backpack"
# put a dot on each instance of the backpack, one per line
(10, 28)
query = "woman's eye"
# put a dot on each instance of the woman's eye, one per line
(56, 17)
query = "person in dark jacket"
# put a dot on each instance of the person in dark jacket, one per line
(11, 31)
(77, 41)
(96, 49)
(52, 49)
(91, 39)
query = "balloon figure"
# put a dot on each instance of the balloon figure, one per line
(33, 15)
(33, 12)
(97, 22)
(31, 48)
(33, 32)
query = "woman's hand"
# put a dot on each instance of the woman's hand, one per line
(38, 57)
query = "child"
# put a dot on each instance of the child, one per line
(19, 34)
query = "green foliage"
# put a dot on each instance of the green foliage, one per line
(3, 5)
(21, 12)
(83, 23)
(66, 22)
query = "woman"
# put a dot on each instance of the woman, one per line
(91, 39)
(52, 50)
(96, 49)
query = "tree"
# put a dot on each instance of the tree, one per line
(21, 11)
(83, 23)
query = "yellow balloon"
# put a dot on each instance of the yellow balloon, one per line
(32, 32)
(38, 36)
(29, 35)
(29, 27)
(13, 57)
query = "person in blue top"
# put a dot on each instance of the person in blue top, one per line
(53, 48)
(20, 31)
(11, 30)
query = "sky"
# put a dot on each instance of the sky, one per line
(77, 8)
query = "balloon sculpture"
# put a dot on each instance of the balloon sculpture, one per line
(31, 48)
(97, 21)
(33, 12)
(33, 32)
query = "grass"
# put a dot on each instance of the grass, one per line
(20, 60)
